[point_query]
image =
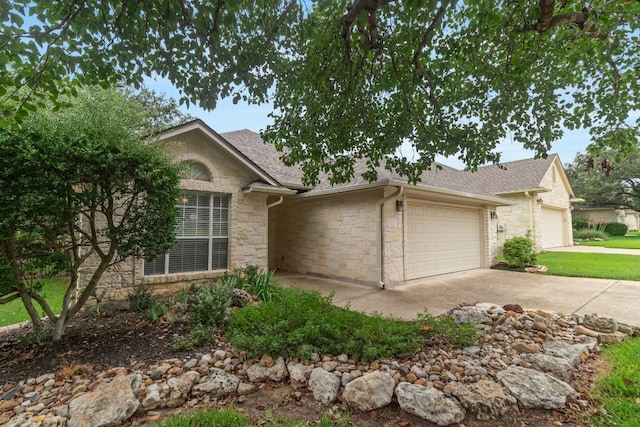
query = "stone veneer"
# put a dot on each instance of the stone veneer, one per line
(247, 221)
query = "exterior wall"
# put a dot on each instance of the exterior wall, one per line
(248, 221)
(525, 215)
(333, 236)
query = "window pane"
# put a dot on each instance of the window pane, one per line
(154, 267)
(219, 254)
(189, 255)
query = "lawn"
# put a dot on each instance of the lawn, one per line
(619, 391)
(14, 311)
(630, 241)
(602, 266)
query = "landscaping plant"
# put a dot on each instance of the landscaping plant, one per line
(519, 251)
(616, 229)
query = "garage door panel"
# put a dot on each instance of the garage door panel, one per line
(552, 228)
(442, 240)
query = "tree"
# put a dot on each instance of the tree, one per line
(356, 78)
(80, 189)
(601, 181)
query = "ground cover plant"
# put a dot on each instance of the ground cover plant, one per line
(603, 266)
(619, 391)
(52, 290)
(630, 241)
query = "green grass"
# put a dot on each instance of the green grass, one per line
(619, 391)
(233, 418)
(14, 312)
(602, 266)
(630, 241)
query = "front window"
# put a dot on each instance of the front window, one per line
(203, 236)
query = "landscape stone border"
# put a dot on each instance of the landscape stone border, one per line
(523, 359)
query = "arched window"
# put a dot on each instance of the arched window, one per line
(196, 171)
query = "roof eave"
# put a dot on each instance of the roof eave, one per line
(268, 190)
(529, 190)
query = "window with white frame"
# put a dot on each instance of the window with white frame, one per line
(203, 236)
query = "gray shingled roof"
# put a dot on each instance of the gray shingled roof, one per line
(519, 175)
(488, 180)
(264, 155)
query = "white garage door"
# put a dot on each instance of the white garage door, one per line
(442, 240)
(552, 227)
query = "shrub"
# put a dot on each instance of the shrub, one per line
(254, 280)
(302, 322)
(141, 299)
(616, 229)
(519, 252)
(197, 336)
(588, 234)
(208, 303)
(446, 329)
(579, 223)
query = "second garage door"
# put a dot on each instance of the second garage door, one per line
(552, 227)
(442, 239)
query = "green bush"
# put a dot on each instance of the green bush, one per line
(580, 223)
(302, 322)
(208, 303)
(519, 252)
(445, 328)
(254, 280)
(197, 336)
(588, 234)
(141, 299)
(616, 229)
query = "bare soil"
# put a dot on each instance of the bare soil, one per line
(124, 339)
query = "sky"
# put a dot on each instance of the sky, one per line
(229, 117)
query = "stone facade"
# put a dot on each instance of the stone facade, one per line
(247, 220)
(332, 236)
(525, 215)
(624, 216)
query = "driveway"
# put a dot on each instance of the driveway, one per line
(568, 295)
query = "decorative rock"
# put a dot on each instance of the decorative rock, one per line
(600, 324)
(559, 367)
(540, 326)
(240, 298)
(258, 373)
(299, 374)
(180, 388)
(575, 353)
(152, 399)
(369, 392)
(522, 347)
(324, 385)
(108, 405)
(429, 404)
(536, 390)
(513, 307)
(585, 331)
(245, 388)
(611, 338)
(486, 399)
(219, 383)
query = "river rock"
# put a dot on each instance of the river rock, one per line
(299, 374)
(534, 389)
(180, 388)
(369, 392)
(217, 384)
(485, 399)
(259, 373)
(429, 404)
(559, 367)
(324, 385)
(575, 353)
(109, 405)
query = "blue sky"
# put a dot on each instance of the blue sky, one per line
(228, 117)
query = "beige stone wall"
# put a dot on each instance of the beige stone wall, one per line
(248, 220)
(603, 215)
(332, 236)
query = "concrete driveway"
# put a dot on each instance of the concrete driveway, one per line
(609, 298)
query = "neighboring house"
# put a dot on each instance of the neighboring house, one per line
(604, 215)
(540, 196)
(243, 206)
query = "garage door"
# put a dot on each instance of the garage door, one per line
(442, 240)
(552, 227)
